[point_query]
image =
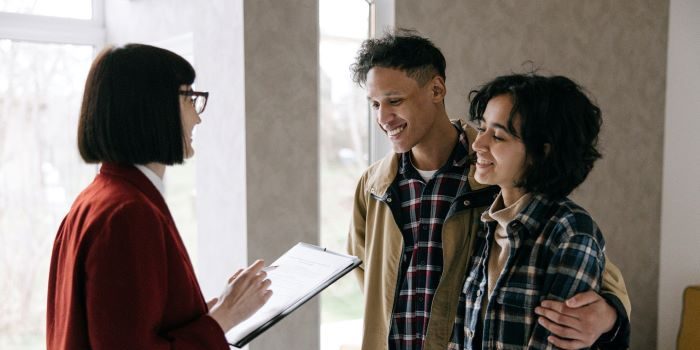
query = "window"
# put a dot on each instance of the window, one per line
(43, 66)
(344, 156)
(79, 9)
(40, 92)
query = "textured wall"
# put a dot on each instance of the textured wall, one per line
(617, 50)
(680, 236)
(281, 67)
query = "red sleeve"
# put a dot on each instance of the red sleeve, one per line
(126, 287)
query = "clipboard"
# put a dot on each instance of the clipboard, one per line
(298, 260)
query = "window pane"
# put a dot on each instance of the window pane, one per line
(40, 174)
(344, 154)
(80, 9)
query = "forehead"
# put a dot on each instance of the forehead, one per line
(383, 81)
(498, 109)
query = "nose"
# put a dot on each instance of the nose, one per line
(480, 143)
(384, 115)
(198, 120)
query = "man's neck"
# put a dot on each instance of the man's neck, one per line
(435, 150)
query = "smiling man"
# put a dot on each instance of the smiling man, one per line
(417, 212)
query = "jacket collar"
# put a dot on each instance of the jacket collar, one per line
(130, 174)
(387, 168)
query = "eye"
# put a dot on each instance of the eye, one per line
(395, 102)
(375, 105)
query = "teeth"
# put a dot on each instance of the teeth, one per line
(396, 131)
(483, 161)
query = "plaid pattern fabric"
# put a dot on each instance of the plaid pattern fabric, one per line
(424, 208)
(556, 252)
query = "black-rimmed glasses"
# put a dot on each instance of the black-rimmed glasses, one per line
(199, 99)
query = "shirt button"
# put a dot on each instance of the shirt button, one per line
(420, 299)
(424, 227)
(467, 203)
(469, 333)
(388, 199)
(479, 292)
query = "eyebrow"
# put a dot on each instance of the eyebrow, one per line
(499, 126)
(477, 124)
(389, 94)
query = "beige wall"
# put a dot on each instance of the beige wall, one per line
(281, 67)
(680, 236)
(617, 50)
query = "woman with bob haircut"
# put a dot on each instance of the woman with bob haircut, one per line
(536, 140)
(120, 276)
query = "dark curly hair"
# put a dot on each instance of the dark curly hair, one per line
(404, 50)
(559, 126)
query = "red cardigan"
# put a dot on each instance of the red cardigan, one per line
(120, 276)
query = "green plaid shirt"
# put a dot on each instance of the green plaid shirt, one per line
(556, 251)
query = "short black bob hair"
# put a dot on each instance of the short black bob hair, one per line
(131, 112)
(553, 111)
(404, 50)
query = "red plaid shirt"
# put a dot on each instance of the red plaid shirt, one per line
(424, 207)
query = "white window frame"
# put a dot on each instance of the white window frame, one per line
(55, 30)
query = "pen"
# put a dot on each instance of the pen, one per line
(269, 268)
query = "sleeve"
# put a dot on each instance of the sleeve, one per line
(614, 292)
(126, 274)
(356, 234)
(576, 266)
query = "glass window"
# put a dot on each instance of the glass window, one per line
(344, 156)
(80, 9)
(41, 173)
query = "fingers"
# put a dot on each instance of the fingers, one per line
(583, 299)
(576, 323)
(559, 317)
(556, 306)
(235, 275)
(566, 343)
(211, 303)
(252, 270)
(257, 266)
(560, 330)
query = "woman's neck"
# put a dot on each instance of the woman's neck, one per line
(158, 168)
(511, 195)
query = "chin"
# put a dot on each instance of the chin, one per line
(481, 179)
(400, 148)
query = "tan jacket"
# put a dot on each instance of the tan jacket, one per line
(376, 239)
